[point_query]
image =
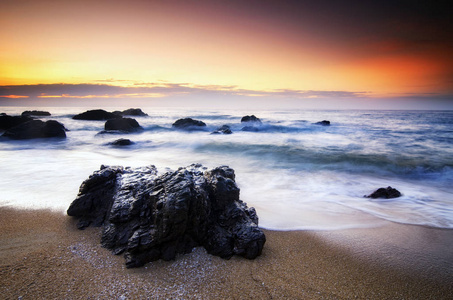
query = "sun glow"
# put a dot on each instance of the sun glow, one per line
(13, 96)
(210, 46)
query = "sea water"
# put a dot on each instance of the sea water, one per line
(296, 173)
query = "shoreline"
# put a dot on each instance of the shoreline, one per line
(43, 254)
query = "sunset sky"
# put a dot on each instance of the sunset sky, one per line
(364, 54)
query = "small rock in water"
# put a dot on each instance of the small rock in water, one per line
(251, 118)
(225, 129)
(189, 124)
(386, 193)
(131, 112)
(323, 123)
(121, 142)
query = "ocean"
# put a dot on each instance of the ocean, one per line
(297, 174)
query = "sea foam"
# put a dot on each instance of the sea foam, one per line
(297, 174)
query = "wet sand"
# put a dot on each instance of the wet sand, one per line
(43, 255)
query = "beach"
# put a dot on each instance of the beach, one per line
(43, 255)
(313, 140)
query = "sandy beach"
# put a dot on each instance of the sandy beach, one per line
(43, 255)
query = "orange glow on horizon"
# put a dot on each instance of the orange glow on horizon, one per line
(208, 44)
(13, 96)
(401, 74)
(135, 95)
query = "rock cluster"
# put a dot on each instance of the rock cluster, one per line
(102, 115)
(150, 216)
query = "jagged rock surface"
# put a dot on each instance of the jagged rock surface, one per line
(149, 216)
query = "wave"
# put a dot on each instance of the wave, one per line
(155, 128)
(215, 117)
(271, 128)
(336, 158)
(319, 174)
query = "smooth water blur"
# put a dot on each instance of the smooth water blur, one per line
(298, 175)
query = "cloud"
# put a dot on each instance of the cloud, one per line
(162, 93)
(155, 89)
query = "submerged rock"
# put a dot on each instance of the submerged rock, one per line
(123, 124)
(96, 115)
(38, 113)
(323, 123)
(251, 118)
(131, 112)
(386, 193)
(189, 124)
(250, 128)
(121, 142)
(224, 129)
(35, 129)
(149, 216)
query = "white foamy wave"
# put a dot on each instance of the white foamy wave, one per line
(298, 175)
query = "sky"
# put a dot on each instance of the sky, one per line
(306, 54)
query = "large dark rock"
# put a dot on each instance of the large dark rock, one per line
(386, 193)
(36, 129)
(149, 216)
(7, 121)
(189, 124)
(137, 112)
(224, 129)
(251, 118)
(37, 113)
(96, 115)
(123, 124)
